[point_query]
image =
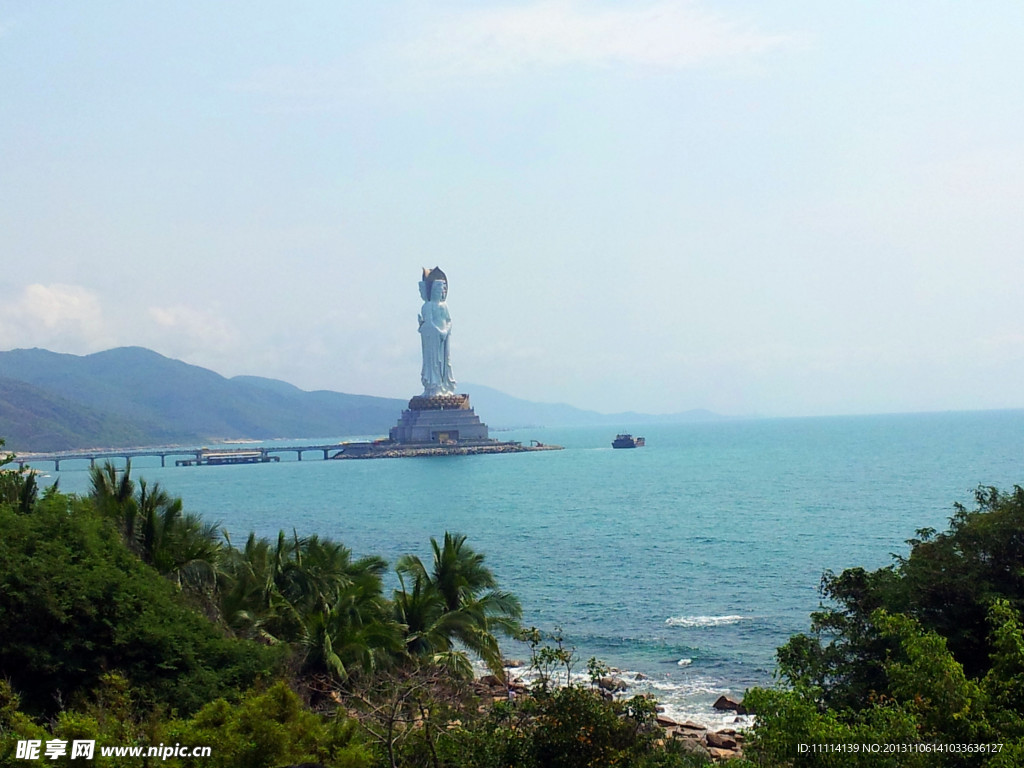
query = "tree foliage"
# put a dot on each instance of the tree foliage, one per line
(108, 584)
(456, 601)
(565, 726)
(928, 650)
(271, 728)
(101, 640)
(75, 603)
(17, 489)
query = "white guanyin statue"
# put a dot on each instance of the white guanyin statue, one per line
(435, 335)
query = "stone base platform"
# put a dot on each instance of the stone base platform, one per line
(437, 425)
(385, 449)
(439, 420)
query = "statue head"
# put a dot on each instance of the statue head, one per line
(430, 277)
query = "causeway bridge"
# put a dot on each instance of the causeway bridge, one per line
(188, 456)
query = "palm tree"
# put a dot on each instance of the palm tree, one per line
(178, 544)
(356, 631)
(456, 602)
(318, 570)
(251, 601)
(113, 496)
(19, 489)
(153, 525)
(310, 591)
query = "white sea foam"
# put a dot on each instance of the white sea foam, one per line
(703, 621)
(709, 718)
(683, 700)
(692, 687)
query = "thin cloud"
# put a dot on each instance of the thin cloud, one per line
(531, 38)
(187, 326)
(557, 33)
(58, 316)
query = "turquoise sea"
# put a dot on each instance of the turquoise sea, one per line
(689, 560)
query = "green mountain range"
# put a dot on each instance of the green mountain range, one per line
(132, 396)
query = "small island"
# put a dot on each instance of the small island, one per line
(440, 421)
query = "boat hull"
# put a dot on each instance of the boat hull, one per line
(627, 441)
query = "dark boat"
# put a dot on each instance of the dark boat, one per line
(627, 441)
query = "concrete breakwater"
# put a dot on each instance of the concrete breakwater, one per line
(388, 450)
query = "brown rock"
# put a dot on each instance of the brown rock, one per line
(716, 753)
(613, 684)
(678, 733)
(690, 747)
(492, 681)
(724, 703)
(665, 721)
(720, 740)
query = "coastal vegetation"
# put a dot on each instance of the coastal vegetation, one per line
(128, 620)
(920, 663)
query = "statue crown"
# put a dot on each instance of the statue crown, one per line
(431, 276)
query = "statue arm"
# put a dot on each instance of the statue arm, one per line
(438, 318)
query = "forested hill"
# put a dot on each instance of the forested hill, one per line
(134, 396)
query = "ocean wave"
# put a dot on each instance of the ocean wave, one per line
(703, 621)
(682, 689)
(684, 662)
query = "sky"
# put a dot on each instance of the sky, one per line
(781, 208)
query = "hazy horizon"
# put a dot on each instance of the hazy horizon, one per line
(758, 209)
(474, 387)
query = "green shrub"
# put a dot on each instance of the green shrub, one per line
(270, 728)
(75, 604)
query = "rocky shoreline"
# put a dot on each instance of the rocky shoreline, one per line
(719, 745)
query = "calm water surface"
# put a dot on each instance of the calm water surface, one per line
(689, 560)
